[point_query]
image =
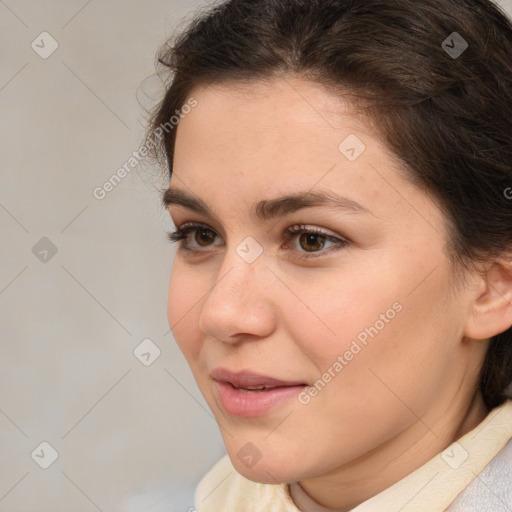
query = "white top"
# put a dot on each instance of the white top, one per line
(471, 474)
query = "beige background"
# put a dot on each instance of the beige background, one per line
(129, 437)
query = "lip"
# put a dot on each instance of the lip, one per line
(229, 386)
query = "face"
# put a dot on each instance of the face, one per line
(318, 332)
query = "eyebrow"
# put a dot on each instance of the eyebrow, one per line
(270, 208)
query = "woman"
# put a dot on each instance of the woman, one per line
(342, 291)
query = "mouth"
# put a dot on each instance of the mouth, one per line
(248, 394)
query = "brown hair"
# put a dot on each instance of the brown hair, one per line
(446, 115)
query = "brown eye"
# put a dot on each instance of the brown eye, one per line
(309, 241)
(191, 236)
(204, 236)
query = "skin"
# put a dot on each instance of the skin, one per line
(406, 395)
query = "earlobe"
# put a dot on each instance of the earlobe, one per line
(491, 312)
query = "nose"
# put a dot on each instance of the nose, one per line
(238, 304)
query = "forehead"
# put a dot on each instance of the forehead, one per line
(244, 144)
(272, 111)
(243, 151)
(288, 129)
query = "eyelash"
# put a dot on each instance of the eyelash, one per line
(181, 234)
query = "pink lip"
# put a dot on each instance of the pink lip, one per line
(236, 402)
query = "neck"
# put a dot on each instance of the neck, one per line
(354, 483)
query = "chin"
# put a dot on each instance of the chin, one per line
(267, 470)
(260, 473)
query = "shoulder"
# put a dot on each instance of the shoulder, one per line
(223, 488)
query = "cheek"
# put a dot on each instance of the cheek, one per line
(376, 333)
(341, 320)
(397, 348)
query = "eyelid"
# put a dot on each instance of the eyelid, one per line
(182, 232)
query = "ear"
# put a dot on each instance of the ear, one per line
(491, 311)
